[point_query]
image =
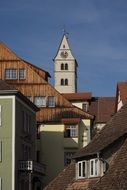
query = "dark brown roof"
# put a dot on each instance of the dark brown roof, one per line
(56, 114)
(103, 108)
(122, 87)
(114, 129)
(78, 96)
(5, 86)
(83, 184)
(66, 180)
(116, 176)
(70, 120)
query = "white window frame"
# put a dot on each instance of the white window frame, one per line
(42, 98)
(81, 164)
(22, 74)
(73, 131)
(10, 74)
(96, 168)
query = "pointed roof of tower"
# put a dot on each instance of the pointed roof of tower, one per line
(64, 46)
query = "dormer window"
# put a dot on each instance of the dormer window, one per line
(82, 169)
(94, 167)
(89, 168)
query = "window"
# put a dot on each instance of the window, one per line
(82, 169)
(51, 101)
(66, 66)
(66, 82)
(40, 101)
(94, 167)
(10, 74)
(26, 118)
(26, 150)
(68, 157)
(62, 82)
(22, 74)
(85, 106)
(62, 66)
(71, 131)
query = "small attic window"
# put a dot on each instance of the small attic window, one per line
(89, 168)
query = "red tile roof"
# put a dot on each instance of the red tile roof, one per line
(122, 87)
(82, 96)
(103, 108)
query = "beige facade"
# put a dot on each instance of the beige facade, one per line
(65, 69)
(57, 147)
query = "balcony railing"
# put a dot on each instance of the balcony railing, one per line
(32, 166)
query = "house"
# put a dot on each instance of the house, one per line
(62, 128)
(121, 95)
(103, 108)
(79, 99)
(19, 168)
(101, 165)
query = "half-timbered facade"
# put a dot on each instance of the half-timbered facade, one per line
(62, 128)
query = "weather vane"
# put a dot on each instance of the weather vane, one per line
(65, 32)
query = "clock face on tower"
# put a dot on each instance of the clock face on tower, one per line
(64, 54)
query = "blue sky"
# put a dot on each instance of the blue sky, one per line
(97, 36)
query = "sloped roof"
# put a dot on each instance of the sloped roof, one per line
(78, 96)
(116, 176)
(6, 89)
(66, 180)
(5, 86)
(122, 87)
(102, 108)
(13, 57)
(114, 129)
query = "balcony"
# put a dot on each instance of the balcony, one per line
(32, 166)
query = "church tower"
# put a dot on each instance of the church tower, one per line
(65, 68)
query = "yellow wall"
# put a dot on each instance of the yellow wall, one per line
(53, 145)
(52, 151)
